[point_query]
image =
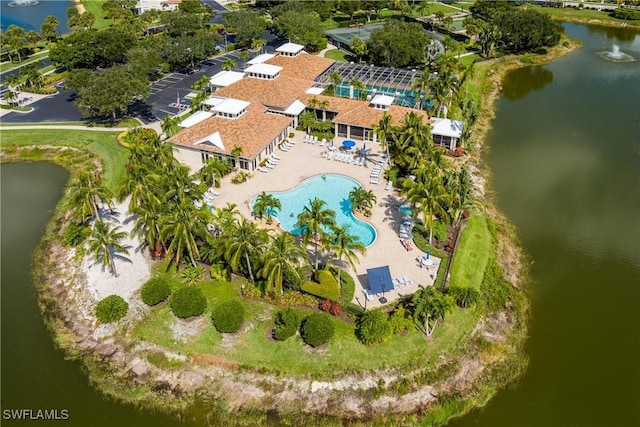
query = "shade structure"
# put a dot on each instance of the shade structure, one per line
(348, 143)
(380, 279)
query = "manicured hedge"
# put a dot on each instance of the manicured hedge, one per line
(320, 291)
(287, 322)
(111, 308)
(188, 301)
(317, 329)
(155, 290)
(228, 316)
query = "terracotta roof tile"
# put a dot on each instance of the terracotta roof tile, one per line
(360, 113)
(302, 66)
(252, 131)
(279, 92)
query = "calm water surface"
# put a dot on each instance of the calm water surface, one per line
(564, 152)
(32, 17)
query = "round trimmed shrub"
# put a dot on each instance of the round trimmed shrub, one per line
(155, 290)
(228, 316)
(317, 329)
(188, 301)
(373, 327)
(287, 323)
(111, 309)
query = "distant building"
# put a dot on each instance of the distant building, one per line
(162, 5)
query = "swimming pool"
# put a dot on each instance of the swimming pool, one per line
(334, 190)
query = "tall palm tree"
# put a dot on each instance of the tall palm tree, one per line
(236, 152)
(429, 307)
(202, 83)
(180, 227)
(258, 44)
(346, 246)
(244, 55)
(169, 125)
(229, 65)
(266, 204)
(244, 241)
(360, 86)
(384, 130)
(283, 256)
(147, 226)
(312, 221)
(198, 101)
(10, 96)
(214, 170)
(223, 219)
(84, 195)
(421, 85)
(104, 244)
(429, 199)
(489, 35)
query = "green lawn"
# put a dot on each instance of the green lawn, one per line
(474, 249)
(337, 55)
(7, 65)
(95, 7)
(102, 144)
(345, 353)
(570, 14)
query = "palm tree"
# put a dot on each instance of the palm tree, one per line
(202, 83)
(384, 130)
(33, 37)
(181, 226)
(267, 203)
(361, 199)
(10, 96)
(346, 246)
(489, 35)
(84, 195)
(429, 199)
(360, 86)
(421, 86)
(243, 240)
(229, 65)
(104, 244)
(429, 307)
(307, 119)
(198, 100)
(283, 256)
(147, 226)
(258, 44)
(236, 152)
(223, 219)
(311, 221)
(244, 55)
(214, 170)
(169, 125)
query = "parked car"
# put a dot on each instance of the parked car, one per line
(186, 70)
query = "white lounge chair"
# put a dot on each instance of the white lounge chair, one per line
(406, 281)
(374, 181)
(273, 156)
(270, 165)
(261, 169)
(330, 155)
(324, 141)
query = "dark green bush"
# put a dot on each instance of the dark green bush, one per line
(317, 329)
(111, 308)
(228, 316)
(155, 290)
(495, 289)
(464, 296)
(347, 285)
(188, 301)
(287, 323)
(75, 233)
(373, 327)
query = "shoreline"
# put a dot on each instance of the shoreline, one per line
(102, 355)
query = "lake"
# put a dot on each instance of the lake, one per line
(564, 156)
(31, 17)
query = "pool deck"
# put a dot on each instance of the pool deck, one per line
(305, 160)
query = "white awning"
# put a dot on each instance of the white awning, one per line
(195, 119)
(231, 106)
(446, 127)
(213, 101)
(266, 69)
(261, 58)
(295, 108)
(314, 91)
(213, 139)
(290, 48)
(382, 100)
(225, 78)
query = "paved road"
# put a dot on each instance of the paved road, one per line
(163, 99)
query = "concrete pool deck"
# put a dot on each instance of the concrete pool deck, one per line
(305, 160)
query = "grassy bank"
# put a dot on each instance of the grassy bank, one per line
(585, 16)
(104, 145)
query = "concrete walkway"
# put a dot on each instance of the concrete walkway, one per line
(305, 160)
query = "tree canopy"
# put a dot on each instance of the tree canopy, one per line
(246, 24)
(398, 44)
(304, 28)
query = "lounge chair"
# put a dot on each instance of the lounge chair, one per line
(407, 281)
(330, 155)
(261, 169)
(396, 283)
(273, 156)
(270, 165)
(374, 181)
(307, 138)
(324, 141)
(197, 203)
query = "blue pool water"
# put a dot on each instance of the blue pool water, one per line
(334, 190)
(405, 98)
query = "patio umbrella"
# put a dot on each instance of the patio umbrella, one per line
(348, 143)
(427, 255)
